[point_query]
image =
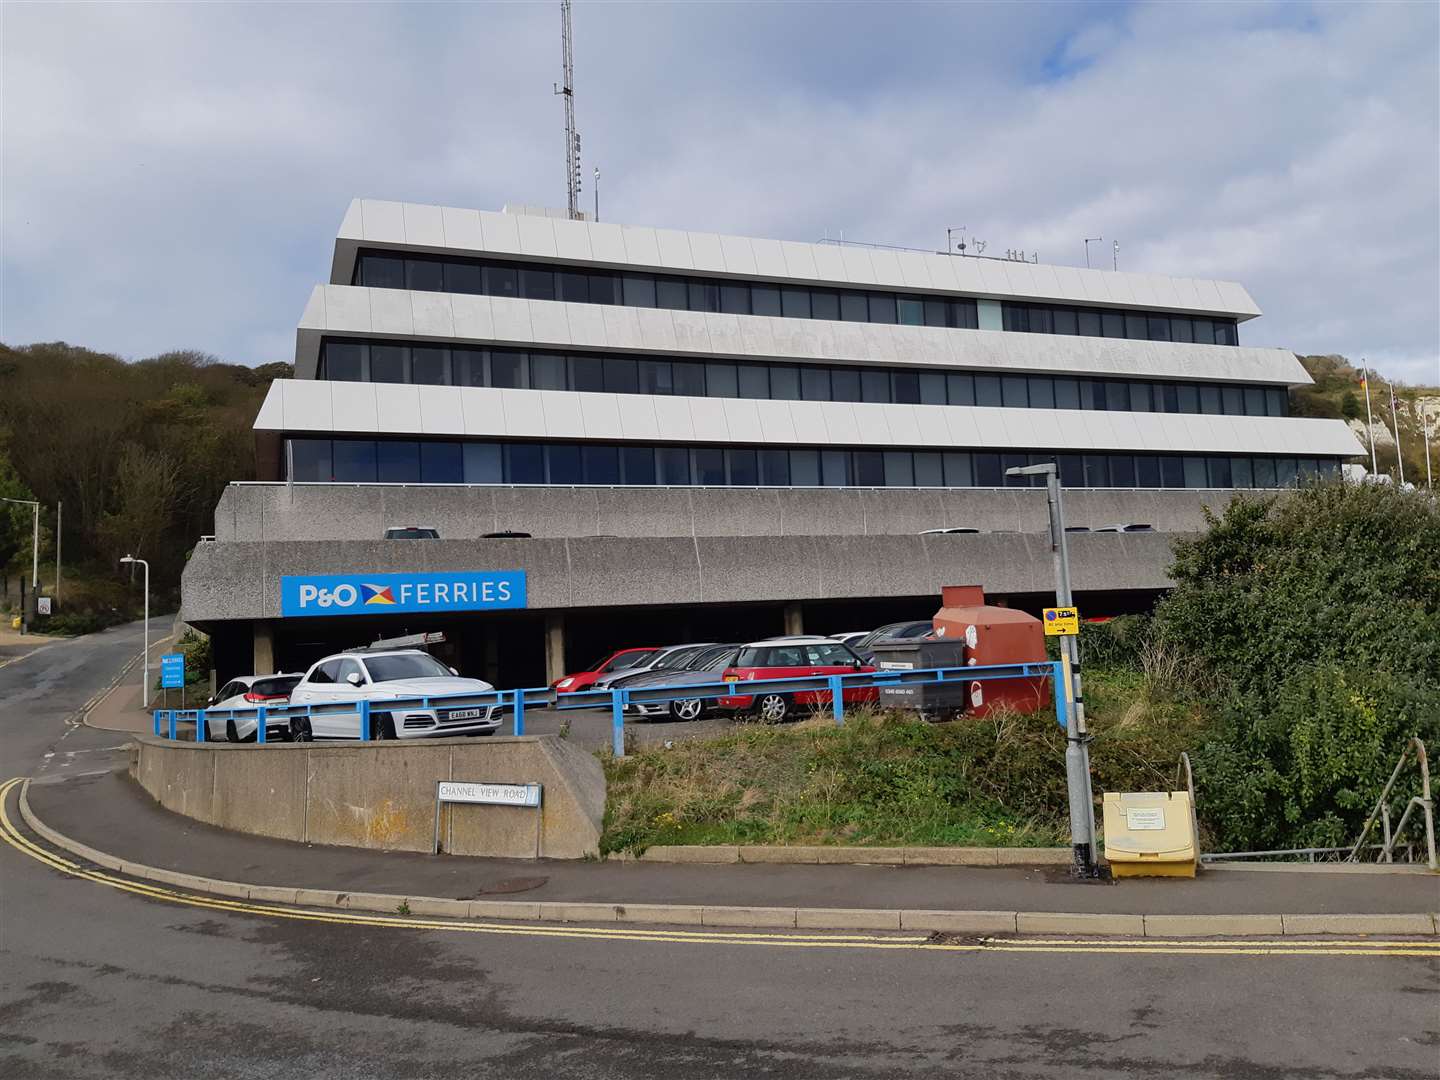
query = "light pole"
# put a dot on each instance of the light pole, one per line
(1077, 738)
(144, 656)
(1088, 241)
(34, 504)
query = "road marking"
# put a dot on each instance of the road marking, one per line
(26, 656)
(1172, 947)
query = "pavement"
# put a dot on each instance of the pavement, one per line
(103, 976)
(110, 812)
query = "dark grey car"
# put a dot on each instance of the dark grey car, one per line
(703, 667)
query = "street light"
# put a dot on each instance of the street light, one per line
(144, 656)
(1077, 748)
(34, 557)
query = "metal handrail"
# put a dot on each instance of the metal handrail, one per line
(837, 687)
(1382, 810)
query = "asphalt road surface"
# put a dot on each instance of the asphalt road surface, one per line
(99, 977)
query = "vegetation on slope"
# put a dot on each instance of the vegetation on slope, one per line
(137, 451)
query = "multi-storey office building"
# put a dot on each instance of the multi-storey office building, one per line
(716, 436)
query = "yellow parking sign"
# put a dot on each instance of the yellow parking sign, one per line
(1061, 620)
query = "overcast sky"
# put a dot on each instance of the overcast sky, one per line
(174, 173)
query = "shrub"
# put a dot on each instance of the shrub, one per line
(1316, 618)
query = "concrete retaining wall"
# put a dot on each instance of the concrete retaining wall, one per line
(383, 795)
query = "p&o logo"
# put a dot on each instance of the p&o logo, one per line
(341, 596)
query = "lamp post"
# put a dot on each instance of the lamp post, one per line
(145, 655)
(1077, 738)
(34, 558)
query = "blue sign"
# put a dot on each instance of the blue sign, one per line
(386, 594)
(172, 671)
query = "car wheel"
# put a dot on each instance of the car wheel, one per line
(382, 726)
(231, 735)
(489, 731)
(300, 730)
(689, 709)
(772, 708)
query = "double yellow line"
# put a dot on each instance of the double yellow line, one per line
(890, 942)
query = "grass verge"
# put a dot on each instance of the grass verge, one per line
(889, 778)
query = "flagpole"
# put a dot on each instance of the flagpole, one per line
(1369, 419)
(1395, 421)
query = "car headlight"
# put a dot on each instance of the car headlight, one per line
(564, 683)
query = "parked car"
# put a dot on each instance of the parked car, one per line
(666, 658)
(412, 532)
(900, 631)
(957, 530)
(850, 637)
(250, 692)
(791, 658)
(581, 680)
(705, 666)
(1129, 528)
(378, 676)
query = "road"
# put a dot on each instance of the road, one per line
(96, 980)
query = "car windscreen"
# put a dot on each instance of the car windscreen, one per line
(715, 659)
(274, 687)
(910, 630)
(675, 659)
(625, 660)
(405, 666)
(411, 534)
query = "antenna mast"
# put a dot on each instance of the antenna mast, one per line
(572, 137)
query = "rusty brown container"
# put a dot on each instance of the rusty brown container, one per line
(994, 635)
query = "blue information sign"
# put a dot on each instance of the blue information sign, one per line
(382, 594)
(172, 671)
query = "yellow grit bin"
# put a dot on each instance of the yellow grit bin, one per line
(1150, 834)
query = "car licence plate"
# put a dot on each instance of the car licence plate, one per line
(463, 714)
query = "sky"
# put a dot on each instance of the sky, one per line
(174, 174)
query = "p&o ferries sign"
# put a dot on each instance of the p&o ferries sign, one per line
(382, 594)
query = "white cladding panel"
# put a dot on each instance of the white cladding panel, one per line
(352, 310)
(481, 412)
(446, 229)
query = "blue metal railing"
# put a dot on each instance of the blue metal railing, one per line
(832, 690)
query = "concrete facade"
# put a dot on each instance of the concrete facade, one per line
(241, 580)
(281, 512)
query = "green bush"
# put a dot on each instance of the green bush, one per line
(1315, 620)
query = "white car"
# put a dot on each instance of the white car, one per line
(384, 675)
(249, 692)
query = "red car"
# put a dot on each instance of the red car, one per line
(614, 662)
(792, 658)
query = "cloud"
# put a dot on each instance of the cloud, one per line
(174, 173)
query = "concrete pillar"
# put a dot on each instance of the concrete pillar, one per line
(794, 618)
(554, 646)
(264, 649)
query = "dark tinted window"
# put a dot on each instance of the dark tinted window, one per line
(310, 460)
(815, 383)
(744, 467)
(565, 464)
(825, 305)
(672, 293)
(587, 373)
(380, 272)
(507, 369)
(869, 468)
(469, 367)
(424, 275)
(764, 300)
(784, 382)
(430, 367)
(639, 464)
(987, 390)
(355, 461)
(709, 466)
(602, 464)
(854, 307)
(398, 462)
(795, 303)
(905, 386)
(525, 463)
(343, 362)
(621, 375)
(845, 384)
(387, 363)
(638, 290)
(441, 463)
(548, 371)
(735, 299)
(537, 284)
(754, 380)
(721, 380)
(501, 281)
(960, 389)
(673, 465)
(688, 377)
